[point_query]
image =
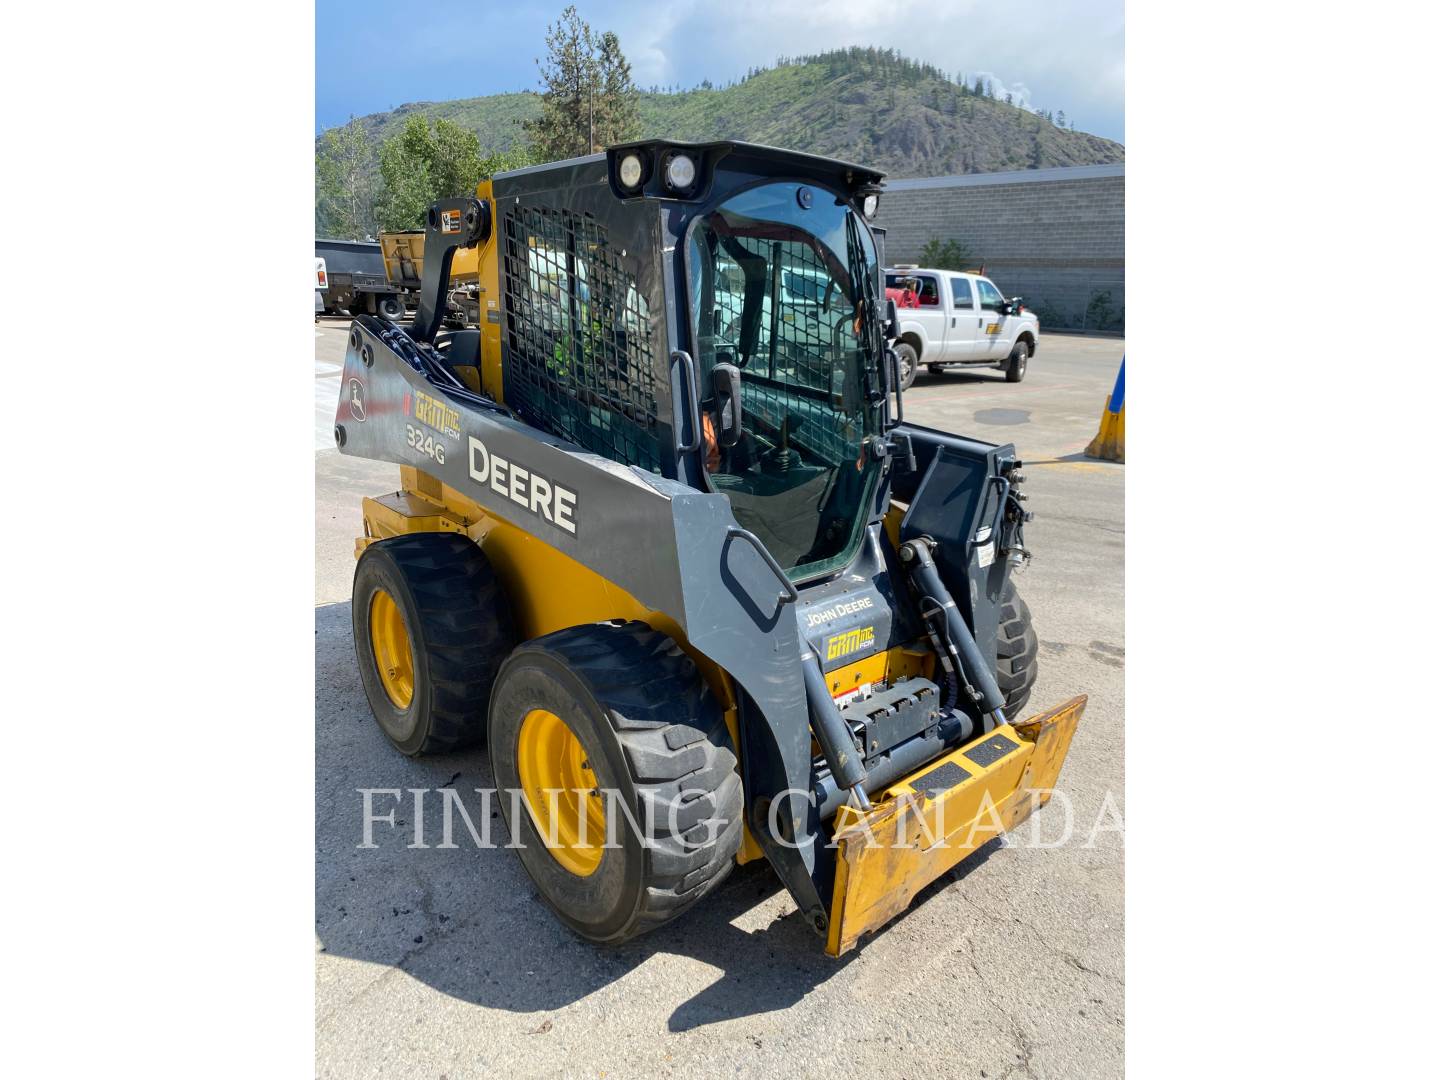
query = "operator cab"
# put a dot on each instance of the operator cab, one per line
(782, 280)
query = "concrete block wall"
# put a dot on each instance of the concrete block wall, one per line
(1054, 236)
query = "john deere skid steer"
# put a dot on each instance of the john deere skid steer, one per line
(664, 541)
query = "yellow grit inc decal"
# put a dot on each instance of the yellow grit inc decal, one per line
(992, 328)
(851, 641)
(433, 413)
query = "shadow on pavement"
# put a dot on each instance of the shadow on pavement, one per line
(468, 922)
(959, 375)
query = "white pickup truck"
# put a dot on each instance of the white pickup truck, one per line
(950, 318)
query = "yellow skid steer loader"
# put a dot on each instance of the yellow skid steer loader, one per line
(665, 542)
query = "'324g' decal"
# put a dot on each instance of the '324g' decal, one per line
(426, 444)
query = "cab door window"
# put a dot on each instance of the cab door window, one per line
(990, 298)
(960, 294)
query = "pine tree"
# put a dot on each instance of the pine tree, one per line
(1060, 119)
(569, 73)
(617, 107)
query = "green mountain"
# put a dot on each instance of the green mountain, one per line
(870, 106)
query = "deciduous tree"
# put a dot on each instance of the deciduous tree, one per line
(343, 190)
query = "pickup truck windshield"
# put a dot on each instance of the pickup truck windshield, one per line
(783, 285)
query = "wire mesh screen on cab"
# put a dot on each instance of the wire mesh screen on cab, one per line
(577, 327)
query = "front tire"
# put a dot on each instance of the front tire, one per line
(392, 307)
(1017, 652)
(909, 361)
(638, 721)
(1018, 362)
(432, 627)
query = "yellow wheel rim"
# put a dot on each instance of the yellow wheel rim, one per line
(557, 780)
(390, 645)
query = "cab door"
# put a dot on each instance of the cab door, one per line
(962, 335)
(994, 334)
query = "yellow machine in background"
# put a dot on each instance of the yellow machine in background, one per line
(404, 255)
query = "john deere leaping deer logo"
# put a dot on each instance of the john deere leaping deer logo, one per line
(357, 399)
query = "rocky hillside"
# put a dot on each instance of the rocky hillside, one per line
(864, 105)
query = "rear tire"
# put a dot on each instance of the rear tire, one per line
(432, 627)
(1018, 362)
(909, 361)
(653, 733)
(392, 307)
(1017, 652)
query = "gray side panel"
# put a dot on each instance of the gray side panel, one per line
(668, 545)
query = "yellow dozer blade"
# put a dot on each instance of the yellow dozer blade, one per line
(928, 822)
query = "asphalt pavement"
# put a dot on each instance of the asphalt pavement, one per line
(443, 962)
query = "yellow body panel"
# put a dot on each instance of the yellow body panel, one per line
(909, 839)
(487, 268)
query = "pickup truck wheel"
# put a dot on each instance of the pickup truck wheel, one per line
(905, 352)
(392, 307)
(1019, 359)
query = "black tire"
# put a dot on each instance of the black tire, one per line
(459, 629)
(1017, 652)
(909, 361)
(1018, 362)
(654, 732)
(391, 307)
(935, 369)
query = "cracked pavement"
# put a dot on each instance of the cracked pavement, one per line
(436, 962)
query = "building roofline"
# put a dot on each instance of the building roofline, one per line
(1020, 176)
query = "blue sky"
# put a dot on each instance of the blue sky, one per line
(371, 56)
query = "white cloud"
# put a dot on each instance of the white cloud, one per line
(1055, 55)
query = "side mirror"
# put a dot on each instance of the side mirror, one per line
(892, 319)
(725, 378)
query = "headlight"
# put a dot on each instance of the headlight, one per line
(631, 170)
(680, 172)
(870, 205)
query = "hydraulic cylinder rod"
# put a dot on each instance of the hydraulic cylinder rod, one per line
(831, 733)
(915, 555)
